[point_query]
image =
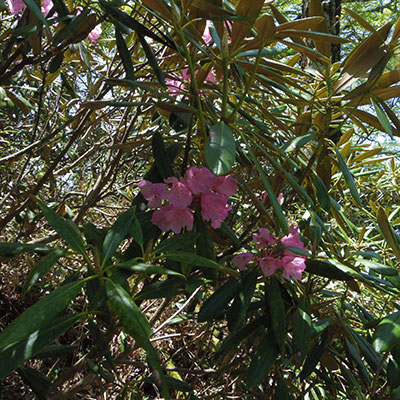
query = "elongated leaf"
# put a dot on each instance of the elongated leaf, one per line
(9, 249)
(277, 312)
(31, 4)
(162, 160)
(131, 318)
(302, 326)
(348, 177)
(14, 355)
(143, 268)
(388, 232)
(262, 360)
(194, 259)
(372, 358)
(40, 313)
(136, 231)
(220, 149)
(126, 57)
(117, 233)
(379, 268)
(219, 300)
(38, 382)
(152, 60)
(382, 117)
(387, 333)
(314, 355)
(67, 230)
(177, 242)
(162, 289)
(41, 268)
(73, 27)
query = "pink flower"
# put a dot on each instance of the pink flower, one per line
(179, 195)
(264, 238)
(226, 185)
(293, 239)
(47, 5)
(200, 180)
(214, 208)
(293, 267)
(95, 33)
(173, 218)
(15, 6)
(243, 259)
(153, 192)
(280, 198)
(269, 265)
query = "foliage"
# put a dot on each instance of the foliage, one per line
(171, 87)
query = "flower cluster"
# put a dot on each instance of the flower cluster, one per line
(16, 6)
(200, 187)
(270, 260)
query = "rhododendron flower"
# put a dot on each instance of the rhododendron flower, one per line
(270, 260)
(269, 265)
(264, 238)
(95, 33)
(200, 180)
(173, 218)
(16, 6)
(154, 193)
(212, 194)
(226, 185)
(179, 195)
(243, 259)
(214, 208)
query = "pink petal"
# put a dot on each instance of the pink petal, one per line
(173, 218)
(153, 192)
(200, 180)
(293, 239)
(264, 238)
(15, 6)
(214, 208)
(269, 265)
(226, 185)
(243, 259)
(180, 195)
(293, 267)
(95, 33)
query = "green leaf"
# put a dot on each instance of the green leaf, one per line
(322, 193)
(378, 268)
(194, 259)
(388, 231)
(237, 314)
(67, 230)
(136, 231)
(31, 4)
(348, 177)
(38, 382)
(297, 143)
(134, 266)
(326, 269)
(40, 313)
(162, 160)
(302, 326)
(152, 60)
(131, 318)
(117, 233)
(262, 360)
(41, 268)
(71, 28)
(177, 242)
(126, 57)
(387, 333)
(282, 391)
(15, 354)
(220, 149)
(314, 355)
(56, 350)
(277, 312)
(219, 299)
(162, 289)
(9, 249)
(56, 63)
(372, 358)
(382, 117)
